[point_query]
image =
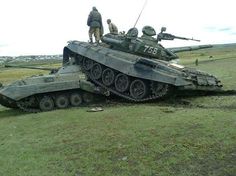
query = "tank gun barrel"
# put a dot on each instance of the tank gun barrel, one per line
(166, 36)
(30, 67)
(185, 38)
(189, 48)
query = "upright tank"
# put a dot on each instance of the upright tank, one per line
(59, 89)
(137, 68)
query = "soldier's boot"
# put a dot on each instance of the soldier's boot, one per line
(96, 43)
(90, 40)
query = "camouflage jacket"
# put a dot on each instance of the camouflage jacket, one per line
(94, 19)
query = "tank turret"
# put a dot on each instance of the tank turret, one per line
(147, 45)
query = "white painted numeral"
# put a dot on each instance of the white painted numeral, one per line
(150, 50)
(145, 49)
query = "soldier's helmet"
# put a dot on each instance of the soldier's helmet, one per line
(163, 29)
(149, 31)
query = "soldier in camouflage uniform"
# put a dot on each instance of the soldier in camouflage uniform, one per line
(95, 23)
(112, 27)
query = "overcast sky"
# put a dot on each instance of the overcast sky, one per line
(44, 26)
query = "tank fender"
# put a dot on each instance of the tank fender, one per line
(181, 82)
(145, 66)
(90, 87)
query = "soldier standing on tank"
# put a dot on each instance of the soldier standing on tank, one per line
(95, 25)
(112, 27)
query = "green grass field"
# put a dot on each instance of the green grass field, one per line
(182, 136)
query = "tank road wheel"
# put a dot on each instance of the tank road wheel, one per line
(87, 64)
(122, 82)
(96, 71)
(159, 89)
(108, 77)
(75, 99)
(138, 89)
(46, 103)
(61, 101)
(88, 97)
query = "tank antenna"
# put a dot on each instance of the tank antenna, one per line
(145, 3)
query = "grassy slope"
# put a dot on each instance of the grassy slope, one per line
(222, 63)
(162, 138)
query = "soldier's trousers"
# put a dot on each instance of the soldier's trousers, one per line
(95, 32)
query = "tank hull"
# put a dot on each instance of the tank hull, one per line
(27, 93)
(148, 70)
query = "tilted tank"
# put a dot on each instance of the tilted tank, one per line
(61, 88)
(137, 68)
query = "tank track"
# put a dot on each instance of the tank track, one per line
(7, 102)
(164, 90)
(51, 101)
(27, 108)
(126, 96)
